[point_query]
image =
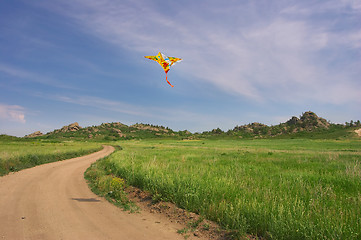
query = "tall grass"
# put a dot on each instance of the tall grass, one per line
(278, 189)
(112, 188)
(17, 155)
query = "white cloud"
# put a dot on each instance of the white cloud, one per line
(12, 113)
(276, 57)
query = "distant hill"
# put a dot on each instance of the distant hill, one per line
(308, 122)
(111, 131)
(4, 137)
(307, 125)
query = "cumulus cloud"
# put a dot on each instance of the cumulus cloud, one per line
(12, 113)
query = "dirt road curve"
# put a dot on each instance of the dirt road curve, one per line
(53, 201)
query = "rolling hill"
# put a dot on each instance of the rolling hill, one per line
(308, 125)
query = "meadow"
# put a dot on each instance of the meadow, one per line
(276, 189)
(20, 154)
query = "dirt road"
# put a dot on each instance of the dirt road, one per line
(53, 201)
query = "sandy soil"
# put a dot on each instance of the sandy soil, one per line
(53, 201)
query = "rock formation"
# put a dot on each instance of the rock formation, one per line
(70, 128)
(34, 134)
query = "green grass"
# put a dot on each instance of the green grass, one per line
(104, 184)
(277, 189)
(16, 155)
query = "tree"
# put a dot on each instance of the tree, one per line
(217, 131)
(358, 124)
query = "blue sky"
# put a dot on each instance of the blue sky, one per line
(63, 61)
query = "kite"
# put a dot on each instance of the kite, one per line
(165, 62)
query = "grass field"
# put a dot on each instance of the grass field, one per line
(277, 189)
(17, 155)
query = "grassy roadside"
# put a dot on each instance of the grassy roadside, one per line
(276, 189)
(18, 155)
(103, 183)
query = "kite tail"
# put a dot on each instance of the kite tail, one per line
(166, 78)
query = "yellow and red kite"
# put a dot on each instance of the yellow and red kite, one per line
(165, 62)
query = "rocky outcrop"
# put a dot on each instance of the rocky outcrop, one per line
(251, 128)
(70, 128)
(141, 126)
(73, 127)
(34, 134)
(358, 132)
(119, 132)
(308, 121)
(113, 124)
